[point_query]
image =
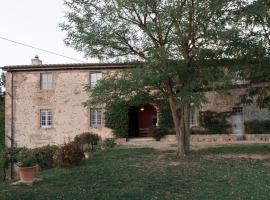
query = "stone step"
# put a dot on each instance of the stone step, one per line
(141, 139)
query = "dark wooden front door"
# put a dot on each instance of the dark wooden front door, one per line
(147, 118)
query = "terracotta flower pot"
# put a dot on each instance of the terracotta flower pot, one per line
(121, 140)
(88, 154)
(27, 174)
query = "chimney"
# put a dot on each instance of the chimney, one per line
(36, 61)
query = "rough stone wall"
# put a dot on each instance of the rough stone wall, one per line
(8, 109)
(69, 116)
(225, 102)
(65, 99)
(252, 112)
(222, 102)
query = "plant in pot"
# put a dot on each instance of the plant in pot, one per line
(27, 165)
(88, 151)
(88, 141)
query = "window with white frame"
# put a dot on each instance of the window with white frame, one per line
(96, 117)
(94, 77)
(237, 109)
(193, 117)
(46, 82)
(45, 118)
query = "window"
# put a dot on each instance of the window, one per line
(237, 109)
(45, 118)
(94, 77)
(46, 81)
(95, 117)
(193, 117)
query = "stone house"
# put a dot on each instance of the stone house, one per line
(43, 104)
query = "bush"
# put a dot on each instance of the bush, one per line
(165, 117)
(7, 156)
(44, 156)
(117, 118)
(257, 127)
(88, 138)
(157, 133)
(70, 154)
(214, 122)
(198, 131)
(106, 144)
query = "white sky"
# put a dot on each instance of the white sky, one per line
(34, 22)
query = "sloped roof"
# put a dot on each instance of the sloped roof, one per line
(69, 66)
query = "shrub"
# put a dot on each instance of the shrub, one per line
(7, 156)
(106, 144)
(90, 139)
(257, 127)
(110, 143)
(165, 117)
(117, 118)
(44, 156)
(215, 122)
(70, 154)
(198, 131)
(157, 133)
(4, 162)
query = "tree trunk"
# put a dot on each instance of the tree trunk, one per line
(178, 125)
(186, 129)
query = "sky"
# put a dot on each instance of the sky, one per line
(34, 22)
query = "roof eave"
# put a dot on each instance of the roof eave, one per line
(92, 66)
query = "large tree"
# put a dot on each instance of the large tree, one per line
(255, 21)
(186, 47)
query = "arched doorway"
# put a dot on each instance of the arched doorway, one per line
(141, 119)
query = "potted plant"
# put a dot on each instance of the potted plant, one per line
(88, 141)
(27, 165)
(88, 152)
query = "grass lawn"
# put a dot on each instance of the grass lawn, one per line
(149, 174)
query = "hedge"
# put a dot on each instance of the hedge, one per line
(257, 127)
(214, 122)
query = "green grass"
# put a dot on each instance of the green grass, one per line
(149, 174)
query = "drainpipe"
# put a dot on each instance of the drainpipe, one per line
(12, 123)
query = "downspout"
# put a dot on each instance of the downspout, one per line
(12, 123)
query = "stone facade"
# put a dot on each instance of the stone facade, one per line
(65, 100)
(225, 102)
